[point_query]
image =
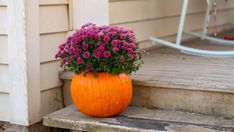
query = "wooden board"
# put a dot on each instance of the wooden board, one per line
(53, 19)
(24, 62)
(49, 45)
(122, 11)
(3, 20)
(136, 119)
(5, 107)
(51, 100)
(148, 9)
(3, 50)
(3, 3)
(165, 67)
(52, 2)
(156, 27)
(50, 75)
(4, 79)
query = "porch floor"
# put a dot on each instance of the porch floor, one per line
(169, 68)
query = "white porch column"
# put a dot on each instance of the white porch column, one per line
(24, 61)
(94, 11)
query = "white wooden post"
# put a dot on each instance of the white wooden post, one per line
(24, 61)
(94, 11)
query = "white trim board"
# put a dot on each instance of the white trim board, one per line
(24, 61)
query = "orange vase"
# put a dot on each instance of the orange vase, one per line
(104, 96)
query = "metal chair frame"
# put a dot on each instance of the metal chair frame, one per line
(203, 36)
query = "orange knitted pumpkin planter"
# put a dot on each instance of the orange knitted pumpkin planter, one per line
(104, 96)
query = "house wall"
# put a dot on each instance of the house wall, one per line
(54, 25)
(160, 17)
(4, 88)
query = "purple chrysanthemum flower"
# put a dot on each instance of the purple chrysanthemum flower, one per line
(114, 43)
(77, 51)
(106, 54)
(79, 60)
(97, 54)
(132, 45)
(121, 58)
(130, 57)
(123, 36)
(96, 48)
(130, 50)
(85, 46)
(61, 47)
(106, 38)
(86, 54)
(115, 49)
(101, 48)
(132, 40)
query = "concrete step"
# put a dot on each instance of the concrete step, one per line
(138, 119)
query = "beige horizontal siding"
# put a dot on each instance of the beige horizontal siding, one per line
(148, 44)
(169, 26)
(54, 19)
(53, 2)
(49, 45)
(160, 17)
(4, 72)
(3, 3)
(50, 75)
(4, 78)
(4, 107)
(135, 10)
(54, 25)
(3, 50)
(51, 100)
(3, 20)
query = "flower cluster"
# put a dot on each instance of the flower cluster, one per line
(93, 48)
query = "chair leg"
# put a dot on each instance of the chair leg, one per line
(207, 18)
(182, 22)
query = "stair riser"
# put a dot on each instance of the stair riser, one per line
(206, 102)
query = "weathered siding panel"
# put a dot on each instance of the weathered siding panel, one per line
(168, 26)
(51, 100)
(4, 72)
(50, 75)
(54, 25)
(49, 45)
(4, 78)
(3, 50)
(3, 3)
(160, 17)
(53, 2)
(54, 19)
(134, 10)
(4, 107)
(3, 20)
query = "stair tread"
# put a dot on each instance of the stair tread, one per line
(139, 119)
(169, 68)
